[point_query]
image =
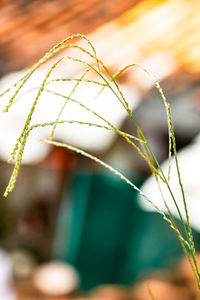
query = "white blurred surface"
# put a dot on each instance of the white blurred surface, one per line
(48, 107)
(6, 292)
(56, 279)
(189, 163)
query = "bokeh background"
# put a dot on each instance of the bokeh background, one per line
(66, 208)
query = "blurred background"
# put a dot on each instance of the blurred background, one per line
(70, 229)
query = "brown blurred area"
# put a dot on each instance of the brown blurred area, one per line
(29, 28)
(131, 28)
(178, 284)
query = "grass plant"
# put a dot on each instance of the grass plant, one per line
(105, 80)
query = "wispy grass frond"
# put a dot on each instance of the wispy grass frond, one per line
(83, 123)
(77, 79)
(149, 291)
(64, 105)
(106, 80)
(28, 120)
(52, 52)
(112, 126)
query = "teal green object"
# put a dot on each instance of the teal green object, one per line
(107, 237)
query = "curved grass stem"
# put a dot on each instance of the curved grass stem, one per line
(107, 80)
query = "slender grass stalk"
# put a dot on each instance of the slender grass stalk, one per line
(52, 52)
(19, 140)
(150, 293)
(83, 123)
(173, 222)
(172, 143)
(112, 126)
(64, 105)
(77, 79)
(106, 80)
(113, 170)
